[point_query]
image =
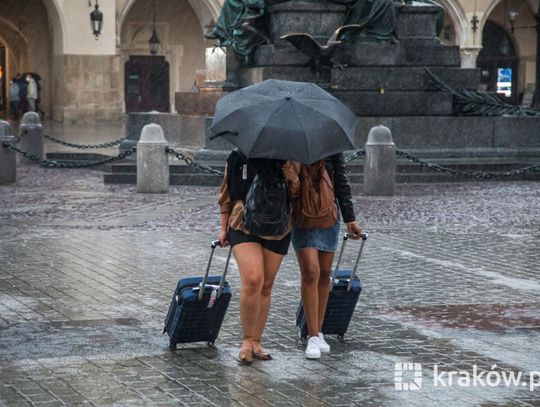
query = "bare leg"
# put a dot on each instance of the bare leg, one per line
(309, 268)
(250, 260)
(272, 261)
(325, 264)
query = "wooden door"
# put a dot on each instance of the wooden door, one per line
(147, 84)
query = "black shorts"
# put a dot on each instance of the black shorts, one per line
(277, 246)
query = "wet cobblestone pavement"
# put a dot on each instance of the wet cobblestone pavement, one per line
(451, 278)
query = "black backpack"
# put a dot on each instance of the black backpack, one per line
(239, 175)
(267, 206)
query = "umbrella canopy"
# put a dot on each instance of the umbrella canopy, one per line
(285, 120)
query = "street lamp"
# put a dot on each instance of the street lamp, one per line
(512, 16)
(96, 20)
(154, 39)
(154, 42)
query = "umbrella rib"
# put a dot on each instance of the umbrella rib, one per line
(303, 128)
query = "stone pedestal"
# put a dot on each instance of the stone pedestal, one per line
(152, 161)
(319, 19)
(8, 161)
(418, 24)
(31, 134)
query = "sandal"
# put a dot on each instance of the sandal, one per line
(245, 357)
(261, 354)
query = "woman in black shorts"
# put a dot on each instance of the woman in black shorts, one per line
(258, 259)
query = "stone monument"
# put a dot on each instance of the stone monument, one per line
(383, 78)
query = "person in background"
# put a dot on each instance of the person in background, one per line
(14, 98)
(23, 89)
(32, 93)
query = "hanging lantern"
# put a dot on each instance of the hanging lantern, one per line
(96, 21)
(154, 42)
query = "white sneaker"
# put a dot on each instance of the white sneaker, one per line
(323, 346)
(312, 349)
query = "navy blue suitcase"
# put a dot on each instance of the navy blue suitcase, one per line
(344, 293)
(198, 307)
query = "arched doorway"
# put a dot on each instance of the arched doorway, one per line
(31, 33)
(182, 46)
(517, 27)
(499, 62)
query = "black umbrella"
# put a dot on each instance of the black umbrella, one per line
(285, 120)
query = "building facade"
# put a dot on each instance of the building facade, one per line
(84, 78)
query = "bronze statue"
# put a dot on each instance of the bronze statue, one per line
(242, 24)
(321, 55)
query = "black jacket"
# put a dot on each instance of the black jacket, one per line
(335, 165)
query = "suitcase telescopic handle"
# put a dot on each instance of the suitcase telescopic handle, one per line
(213, 246)
(346, 237)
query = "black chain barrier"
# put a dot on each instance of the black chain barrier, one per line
(85, 146)
(354, 156)
(469, 174)
(56, 164)
(191, 162)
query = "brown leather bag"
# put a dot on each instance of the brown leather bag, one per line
(316, 207)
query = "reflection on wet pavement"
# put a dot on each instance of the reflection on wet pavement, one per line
(450, 278)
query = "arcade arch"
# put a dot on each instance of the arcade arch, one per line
(180, 26)
(31, 33)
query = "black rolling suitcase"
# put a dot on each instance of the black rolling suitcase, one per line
(344, 293)
(198, 307)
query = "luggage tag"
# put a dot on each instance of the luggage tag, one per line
(213, 297)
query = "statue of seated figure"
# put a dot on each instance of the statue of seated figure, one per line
(242, 26)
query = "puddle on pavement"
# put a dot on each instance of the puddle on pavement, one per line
(489, 317)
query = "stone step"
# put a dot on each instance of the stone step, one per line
(406, 171)
(365, 54)
(174, 179)
(401, 78)
(131, 168)
(397, 103)
(472, 165)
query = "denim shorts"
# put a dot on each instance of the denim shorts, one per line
(323, 239)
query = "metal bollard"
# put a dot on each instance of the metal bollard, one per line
(152, 161)
(380, 162)
(8, 161)
(31, 134)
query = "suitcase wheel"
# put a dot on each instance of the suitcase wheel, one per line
(211, 345)
(341, 339)
(172, 347)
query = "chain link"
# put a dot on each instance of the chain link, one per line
(56, 164)
(85, 146)
(354, 156)
(469, 174)
(191, 162)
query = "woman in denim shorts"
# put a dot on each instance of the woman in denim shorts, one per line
(315, 249)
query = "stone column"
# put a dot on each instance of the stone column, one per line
(152, 161)
(469, 56)
(380, 162)
(8, 161)
(31, 134)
